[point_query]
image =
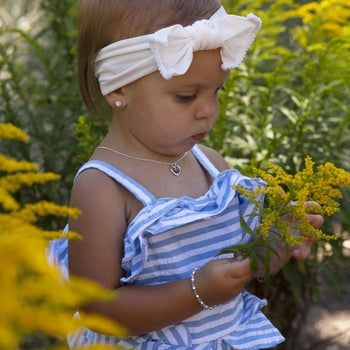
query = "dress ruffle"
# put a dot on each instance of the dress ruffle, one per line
(166, 214)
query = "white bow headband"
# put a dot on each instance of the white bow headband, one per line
(170, 50)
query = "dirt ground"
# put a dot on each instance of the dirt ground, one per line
(328, 329)
(328, 326)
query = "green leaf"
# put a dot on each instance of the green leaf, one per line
(242, 249)
(253, 260)
(246, 227)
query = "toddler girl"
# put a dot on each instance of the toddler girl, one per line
(156, 206)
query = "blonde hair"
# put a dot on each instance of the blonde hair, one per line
(102, 22)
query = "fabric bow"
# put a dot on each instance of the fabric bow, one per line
(170, 50)
(173, 46)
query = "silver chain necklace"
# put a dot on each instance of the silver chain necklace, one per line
(174, 168)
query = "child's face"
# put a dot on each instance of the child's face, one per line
(170, 116)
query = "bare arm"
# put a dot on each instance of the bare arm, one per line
(143, 309)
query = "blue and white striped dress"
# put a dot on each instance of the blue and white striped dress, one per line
(169, 238)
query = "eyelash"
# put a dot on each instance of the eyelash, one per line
(185, 98)
(189, 98)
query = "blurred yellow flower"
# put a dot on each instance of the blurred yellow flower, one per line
(329, 17)
(9, 131)
(33, 295)
(13, 165)
(13, 182)
(31, 212)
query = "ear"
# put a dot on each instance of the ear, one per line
(116, 99)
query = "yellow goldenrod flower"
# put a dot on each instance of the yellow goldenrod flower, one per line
(13, 182)
(31, 212)
(9, 131)
(7, 201)
(13, 165)
(328, 17)
(33, 294)
(308, 191)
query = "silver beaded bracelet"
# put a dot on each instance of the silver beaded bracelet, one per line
(198, 298)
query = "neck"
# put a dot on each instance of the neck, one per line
(174, 167)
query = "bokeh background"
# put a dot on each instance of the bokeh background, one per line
(289, 98)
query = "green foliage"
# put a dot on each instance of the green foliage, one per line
(286, 101)
(289, 99)
(88, 136)
(39, 92)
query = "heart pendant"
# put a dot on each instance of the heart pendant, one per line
(175, 169)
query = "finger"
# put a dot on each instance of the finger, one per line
(239, 268)
(315, 220)
(302, 252)
(238, 257)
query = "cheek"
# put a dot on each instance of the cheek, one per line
(171, 126)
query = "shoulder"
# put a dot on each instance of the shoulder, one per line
(93, 181)
(95, 192)
(215, 157)
(98, 193)
(102, 225)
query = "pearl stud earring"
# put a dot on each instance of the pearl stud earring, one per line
(118, 103)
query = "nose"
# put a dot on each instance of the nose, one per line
(208, 108)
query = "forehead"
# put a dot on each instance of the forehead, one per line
(205, 69)
(205, 72)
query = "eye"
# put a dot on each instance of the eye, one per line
(185, 98)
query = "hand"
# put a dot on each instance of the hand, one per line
(302, 252)
(221, 280)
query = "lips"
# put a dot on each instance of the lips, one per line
(199, 137)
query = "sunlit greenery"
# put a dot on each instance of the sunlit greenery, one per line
(288, 100)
